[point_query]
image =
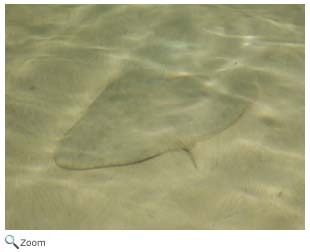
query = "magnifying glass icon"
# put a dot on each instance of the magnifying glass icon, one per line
(9, 239)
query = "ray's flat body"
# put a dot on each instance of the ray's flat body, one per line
(144, 114)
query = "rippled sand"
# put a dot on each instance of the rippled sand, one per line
(59, 59)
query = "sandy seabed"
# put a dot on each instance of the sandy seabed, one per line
(59, 59)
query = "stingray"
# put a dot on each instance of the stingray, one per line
(144, 114)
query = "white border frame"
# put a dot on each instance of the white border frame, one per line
(159, 240)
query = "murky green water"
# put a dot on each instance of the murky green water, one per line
(192, 115)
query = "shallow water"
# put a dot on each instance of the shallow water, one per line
(60, 59)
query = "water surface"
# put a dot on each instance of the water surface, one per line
(61, 58)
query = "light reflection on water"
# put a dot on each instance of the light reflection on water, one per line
(59, 59)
